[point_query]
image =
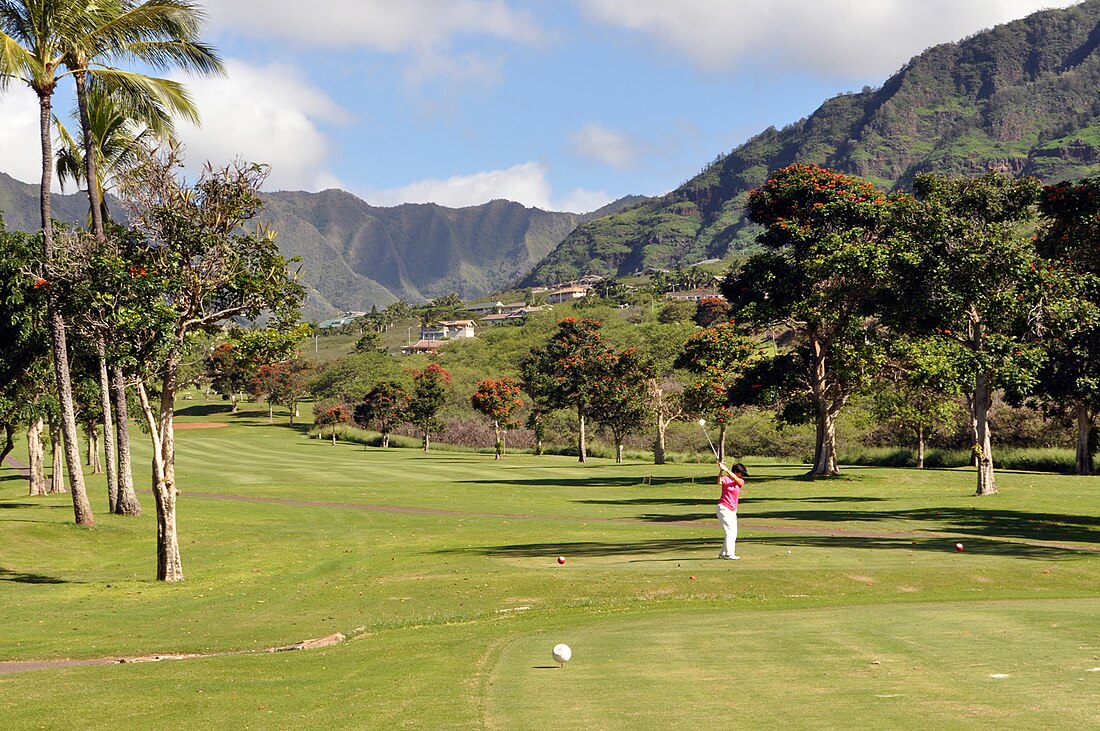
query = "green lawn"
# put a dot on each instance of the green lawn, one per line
(850, 608)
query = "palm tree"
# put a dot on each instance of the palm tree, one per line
(33, 36)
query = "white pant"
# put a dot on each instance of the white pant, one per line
(728, 519)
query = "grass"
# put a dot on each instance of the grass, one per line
(850, 606)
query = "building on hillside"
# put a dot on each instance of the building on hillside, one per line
(589, 280)
(515, 317)
(512, 307)
(429, 347)
(448, 330)
(338, 322)
(484, 308)
(566, 294)
(693, 295)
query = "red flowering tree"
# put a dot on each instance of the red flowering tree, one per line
(331, 415)
(498, 400)
(621, 403)
(429, 395)
(383, 406)
(826, 253)
(284, 384)
(711, 310)
(716, 357)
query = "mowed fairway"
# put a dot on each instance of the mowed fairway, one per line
(850, 608)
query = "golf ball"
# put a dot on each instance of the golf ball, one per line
(561, 653)
(958, 546)
(561, 559)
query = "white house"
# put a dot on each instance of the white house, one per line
(694, 295)
(514, 317)
(448, 330)
(567, 293)
(345, 319)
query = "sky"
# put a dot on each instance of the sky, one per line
(556, 104)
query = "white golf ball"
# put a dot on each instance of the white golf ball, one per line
(561, 653)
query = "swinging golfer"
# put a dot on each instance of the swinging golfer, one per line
(731, 480)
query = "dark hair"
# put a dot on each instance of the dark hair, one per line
(739, 469)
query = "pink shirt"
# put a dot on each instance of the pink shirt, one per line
(731, 490)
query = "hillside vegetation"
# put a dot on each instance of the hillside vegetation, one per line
(1020, 97)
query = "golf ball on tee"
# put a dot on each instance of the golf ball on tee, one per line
(561, 559)
(561, 653)
(958, 546)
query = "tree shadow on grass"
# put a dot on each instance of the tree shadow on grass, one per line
(560, 482)
(968, 521)
(984, 547)
(206, 410)
(577, 549)
(20, 577)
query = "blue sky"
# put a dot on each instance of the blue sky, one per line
(558, 104)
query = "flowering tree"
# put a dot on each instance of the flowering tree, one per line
(570, 370)
(498, 400)
(716, 357)
(429, 395)
(285, 383)
(331, 416)
(384, 406)
(620, 402)
(711, 310)
(824, 260)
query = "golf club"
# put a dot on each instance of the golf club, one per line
(703, 426)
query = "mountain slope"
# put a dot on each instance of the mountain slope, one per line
(1021, 97)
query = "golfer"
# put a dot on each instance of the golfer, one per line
(731, 481)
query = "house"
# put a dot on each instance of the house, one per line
(566, 294)
(693, 295)
(515, 317)
(448, 330)
(338, 322)
(484, 308)
(422, 346)
(512, 307)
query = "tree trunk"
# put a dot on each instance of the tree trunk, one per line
(57, 447)
(9, 442)
(93, 448)
(1085, 464)
(500, 441)
(385, 439)
(95, 203)
(920, 447)
(37, 457)
(618, 451)
(109, 444)
(582, 448)
(270, 412)
(333, 435)
(825, 464)
(427, 440)
(127, 498)
(82, 509)
(169, 565)
(983, 446)
(659, 442)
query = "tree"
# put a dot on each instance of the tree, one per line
(920, 387)
(498, 400)
(825, 257)
(383, 406)
(966, 272)
(710, 311)
(620, 402)
(227, 371)
(1068, 384)
(570, 366)
(429, 395)
(716, 357)
(333, 415)
(661, 343)
(203, 270)
(285, 383)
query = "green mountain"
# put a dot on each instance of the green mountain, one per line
(355, 256)
(1021, 97)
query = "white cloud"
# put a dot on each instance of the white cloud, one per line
(382, 25)
(526, 183)
(856, 38)
(610, 147)
(19, 135)
(266, 114)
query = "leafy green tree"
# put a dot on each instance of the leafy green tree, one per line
(1068, 384)
(284, 383)
(621, 398)
(498, 400)
(227, 372)
(570, 368)
(661, 344)
(824, 260)
(966, 271)
(371, 340)
(204, 269)
(429, 395)
(332, 416)
(384, 406)
(920, 387)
